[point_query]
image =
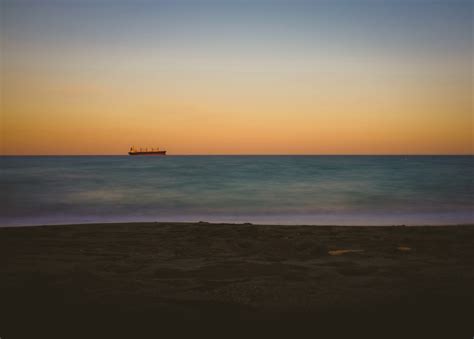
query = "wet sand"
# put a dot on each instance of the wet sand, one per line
(222, 280)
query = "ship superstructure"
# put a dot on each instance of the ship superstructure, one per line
(145, 151)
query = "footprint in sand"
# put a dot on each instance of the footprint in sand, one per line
(341, 252)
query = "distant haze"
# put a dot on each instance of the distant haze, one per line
(237, 77)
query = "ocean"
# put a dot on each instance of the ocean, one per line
(314, 190)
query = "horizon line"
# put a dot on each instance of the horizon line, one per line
(244, 154)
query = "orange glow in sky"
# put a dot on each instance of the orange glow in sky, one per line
(208, 86)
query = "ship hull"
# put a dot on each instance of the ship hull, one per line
(148, 153)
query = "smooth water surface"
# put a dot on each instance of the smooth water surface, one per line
(344, 190)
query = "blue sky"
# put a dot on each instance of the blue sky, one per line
(216, 60)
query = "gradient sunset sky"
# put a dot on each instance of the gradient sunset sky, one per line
(237, 77)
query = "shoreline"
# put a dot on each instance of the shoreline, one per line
(94, 280)
(237, 222)
(177, 223)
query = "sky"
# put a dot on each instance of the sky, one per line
(236, 77)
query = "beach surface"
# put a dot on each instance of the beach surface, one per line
(242, 280)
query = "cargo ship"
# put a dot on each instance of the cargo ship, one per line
(145, 151)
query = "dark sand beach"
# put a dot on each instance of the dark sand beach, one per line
(223, 280)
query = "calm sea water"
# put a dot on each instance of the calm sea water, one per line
(352, 190)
